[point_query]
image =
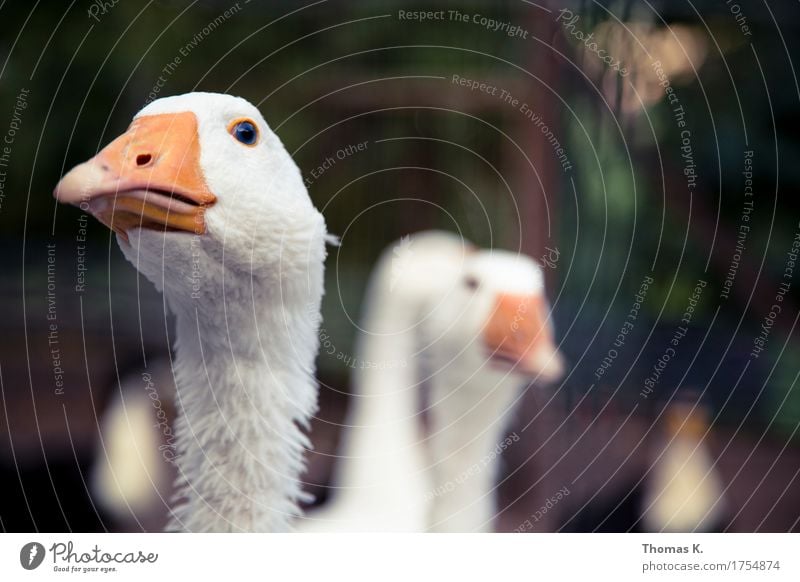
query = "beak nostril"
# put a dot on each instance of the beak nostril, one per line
(143, 159)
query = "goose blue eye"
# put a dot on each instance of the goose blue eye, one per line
(245, 132)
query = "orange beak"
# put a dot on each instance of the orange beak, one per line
(149, 177)
(518, 334)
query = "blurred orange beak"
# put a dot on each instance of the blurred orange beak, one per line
(149, 177)
(519, 335)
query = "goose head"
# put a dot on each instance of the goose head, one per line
(197, 189)
(497, 317)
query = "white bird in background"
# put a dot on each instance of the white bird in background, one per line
(208, 205)
(684, 492)
(131, 476)
(490, 337)
(379, 481)
(473, 327)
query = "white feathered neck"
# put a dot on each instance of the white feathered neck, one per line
(380, 482)
(246, 296)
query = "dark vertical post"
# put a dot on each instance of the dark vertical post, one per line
(537, 188)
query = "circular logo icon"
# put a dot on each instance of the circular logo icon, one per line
(31, 555)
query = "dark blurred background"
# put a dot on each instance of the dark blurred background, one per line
(600, 176)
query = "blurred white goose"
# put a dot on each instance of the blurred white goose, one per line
(208, 205)
(131, 476)
(379, 481)
(472, 325)
(489, 338)
(684, 492)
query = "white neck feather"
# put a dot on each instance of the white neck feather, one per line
(245, 343)
(240, 400)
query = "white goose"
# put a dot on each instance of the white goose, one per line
(379, 481)
(684, 491)
(208, 205)
(472, 326)
(485, 341)
(131, 475)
